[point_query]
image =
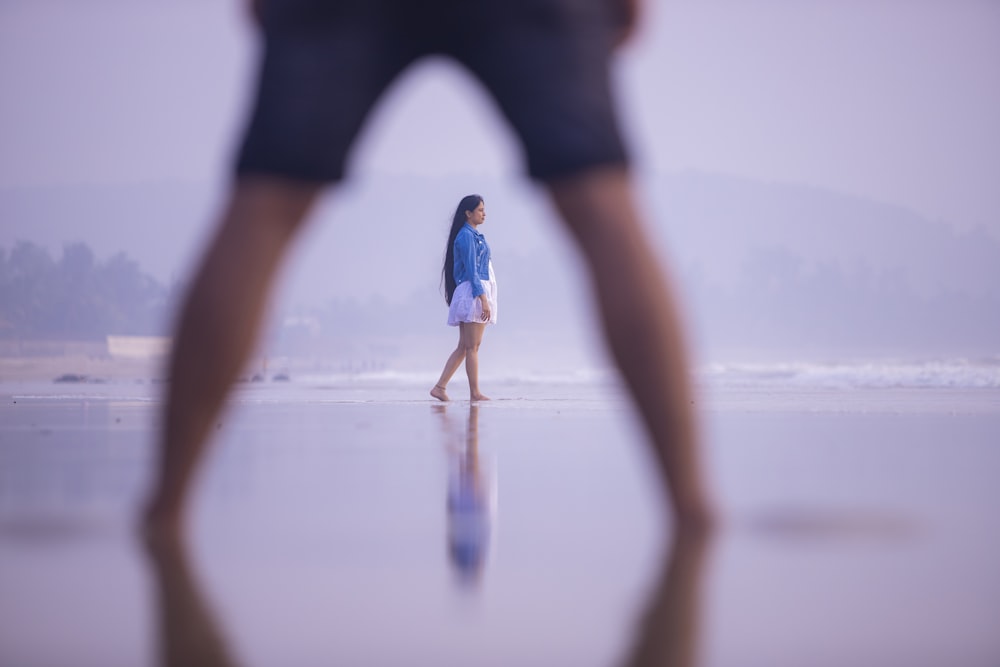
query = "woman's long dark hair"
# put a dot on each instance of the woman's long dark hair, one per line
(468, 203)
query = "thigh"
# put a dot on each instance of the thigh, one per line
(471, 333)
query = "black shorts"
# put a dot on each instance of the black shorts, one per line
(326, 62)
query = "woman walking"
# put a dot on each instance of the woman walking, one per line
(471, 292)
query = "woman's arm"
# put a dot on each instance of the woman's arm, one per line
(484, 302)
(465, 254)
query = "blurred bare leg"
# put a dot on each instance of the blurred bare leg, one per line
(218, 328)
(640, 324)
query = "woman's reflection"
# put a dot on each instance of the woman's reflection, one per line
(470, 500)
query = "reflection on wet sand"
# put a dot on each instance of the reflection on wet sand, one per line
(470, 497)
(773, 586)
(188, 634)
(669, 631)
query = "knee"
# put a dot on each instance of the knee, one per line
(278, 203)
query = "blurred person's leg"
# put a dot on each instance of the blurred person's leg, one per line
(552, 79)
(640, 324)
(218, 327)
(324, 65)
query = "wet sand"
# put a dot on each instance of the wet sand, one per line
(859, 529)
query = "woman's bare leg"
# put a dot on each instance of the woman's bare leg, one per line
(472, 336)
(450, 366)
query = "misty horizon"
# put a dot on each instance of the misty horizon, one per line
(766, 270)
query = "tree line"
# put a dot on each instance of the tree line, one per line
(76, 296)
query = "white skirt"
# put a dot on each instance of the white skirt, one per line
(468, 308)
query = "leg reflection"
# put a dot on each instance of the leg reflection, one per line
(470, 499)
(668, 633)
(188, 633)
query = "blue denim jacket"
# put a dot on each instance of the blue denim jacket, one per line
(472, 258)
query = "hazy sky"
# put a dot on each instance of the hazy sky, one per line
(893, 100)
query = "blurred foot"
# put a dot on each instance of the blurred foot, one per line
(439, 393)
(478, 397)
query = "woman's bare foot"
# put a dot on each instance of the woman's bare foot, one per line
(439, 393)
(478, 397)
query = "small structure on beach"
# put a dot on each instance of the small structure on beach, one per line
(138, 347)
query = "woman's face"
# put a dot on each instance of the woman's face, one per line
(476, 216)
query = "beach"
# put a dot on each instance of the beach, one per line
(328, 527)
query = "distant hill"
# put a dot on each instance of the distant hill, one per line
(719, 219)
(786, 267)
